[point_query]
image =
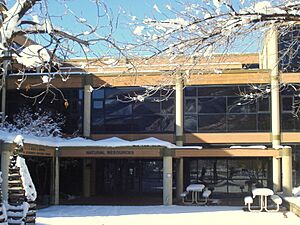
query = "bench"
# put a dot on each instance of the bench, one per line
(206, 195)
(183, 196)
(248, 201)
(277, 200)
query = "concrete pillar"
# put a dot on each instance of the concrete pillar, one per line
(56, 177)
(275, 102)
(87, 177)
(287, 171)
(87, 111)
(179, 133)
(5, 154)
(167, 180)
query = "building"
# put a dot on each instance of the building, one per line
(197, 108)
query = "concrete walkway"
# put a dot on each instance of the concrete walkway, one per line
(153, 215)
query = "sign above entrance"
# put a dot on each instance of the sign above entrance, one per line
(37, 150)
(143, 152)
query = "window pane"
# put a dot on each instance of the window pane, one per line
(97, 104)
(190, 91)
(190, 123)
(98, 94)
(212, 122)
(190, 105)
(168, 124)
(212, 105)
(147, 123)
(146, 107)
(264, 104)
(287, 103)
(168, 106)
(237, 122)
(287, 121)
(264, 122)
(236, 105)
(115, 107)
(118, 124)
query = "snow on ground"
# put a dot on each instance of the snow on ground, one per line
(174, 215)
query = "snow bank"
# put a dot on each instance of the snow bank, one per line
(82, 142)
(28, 185)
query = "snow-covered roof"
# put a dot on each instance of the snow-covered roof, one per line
(83, 142)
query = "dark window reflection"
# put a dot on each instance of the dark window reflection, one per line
(191, 123)
(190, 105)
(114, 112)
(264, 122)
(229, 176)
(236, 105)
(212, 105)
(212, 122)
(237, 122)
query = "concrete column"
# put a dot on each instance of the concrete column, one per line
(287, 171)
(87, 111)
(5, 154)
(56, 177)
(87, 177)
(275, 102)
(167, 180)
(179, 133)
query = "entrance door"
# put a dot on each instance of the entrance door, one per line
(117, 176)
(125, 176)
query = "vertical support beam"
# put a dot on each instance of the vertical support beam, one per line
(5, 160)
(86, 177)
(287, 171)
(56, 177)
(273, 61)
(167, 180)
(87, 108)
(179, 133)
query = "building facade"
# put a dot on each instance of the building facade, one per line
(228, 100)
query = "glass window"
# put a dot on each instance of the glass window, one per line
(190, 91)
(118, 123)
(147, 123)
(212, 122)
(287, 103)
(116, 107)
(191, 123)
(212, 105)
(168, 106)
(146, 107)
(264, 122)
(97, 104)
(287, 122)
(236, 105)
(263, 104)
(98, 94)
(190, 105)
(240, 122)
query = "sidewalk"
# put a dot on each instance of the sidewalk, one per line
(152, 215)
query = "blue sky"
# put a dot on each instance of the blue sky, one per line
(124, 8)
